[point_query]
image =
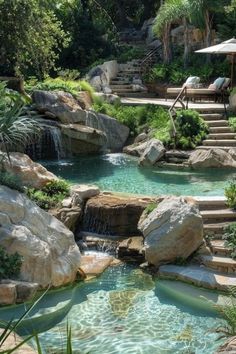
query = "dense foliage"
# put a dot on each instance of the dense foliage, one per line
(10, 264)
(176, 74)
(51, 195)
(30, 37)
(230, 193)
(60, 84)
(12, 181)
(17, 127)
(191, 129)
(230, 238)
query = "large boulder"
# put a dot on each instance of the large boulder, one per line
(153, 152)
(136, 149)
(173, 230)
(50, 254)
(110, 214)
(79, 139)
(32, 174)
(116, 133)
(101, 75)
(211, 158)
(61, 104)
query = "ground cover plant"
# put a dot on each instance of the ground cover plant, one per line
(50, 195)
(230, 193)
(10, 264)
(60, 84)
(191, 129)
(11, 181)
(229, 237)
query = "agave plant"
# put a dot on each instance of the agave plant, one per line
(17, 127)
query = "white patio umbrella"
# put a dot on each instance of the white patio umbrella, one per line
(228, 47)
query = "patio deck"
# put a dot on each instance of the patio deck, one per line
(199, 106)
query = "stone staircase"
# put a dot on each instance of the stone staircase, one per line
(215, 269)
(220, 133)
(128, 82)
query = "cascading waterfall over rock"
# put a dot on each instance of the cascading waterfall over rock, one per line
(50, 143)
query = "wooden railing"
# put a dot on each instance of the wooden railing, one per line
(172, 111)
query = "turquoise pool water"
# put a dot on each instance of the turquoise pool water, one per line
(121, 173)
(125, 312)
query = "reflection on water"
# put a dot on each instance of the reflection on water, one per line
(121, 173)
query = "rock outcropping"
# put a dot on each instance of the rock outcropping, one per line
(153, 152)
(50, 254)
(172, 231)
(111, 214)
(31, 174)
(211, 158)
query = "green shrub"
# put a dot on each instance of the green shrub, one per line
(60, 84)
(10, 264)
(129, 53)
(150, 207)
(12, 181)
(232, 123)
(229, 237)
(135, 118)
(191, 128)
(51, 195)
(230, 193)
(56, 187)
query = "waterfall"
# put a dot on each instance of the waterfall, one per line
(50, 144)
(55, 133)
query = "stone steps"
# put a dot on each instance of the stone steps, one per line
(199, 276)
(121, 87)
(211, 116)
(215, 230)
(219, 263)
(221, 136)
(218, 248)
(137, 94)
(218, 215)
(220, 130)
(222, 142)
(217, 123)
(210, 147)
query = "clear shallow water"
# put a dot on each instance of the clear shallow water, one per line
(120, 173)
(125, 312)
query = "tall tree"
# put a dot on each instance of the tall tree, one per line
(169, 12)
(30, 37)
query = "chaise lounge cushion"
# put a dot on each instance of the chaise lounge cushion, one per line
(219, 82)
(192, 82)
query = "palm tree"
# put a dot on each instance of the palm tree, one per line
(202, 13)
(17, 127)
(170, 11)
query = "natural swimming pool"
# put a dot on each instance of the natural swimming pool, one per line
(125, 311)
(121, 173)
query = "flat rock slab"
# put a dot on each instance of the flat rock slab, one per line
(12, 341)
(198, 276)
(95, 263)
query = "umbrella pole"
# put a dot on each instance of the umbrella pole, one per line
(232, 71)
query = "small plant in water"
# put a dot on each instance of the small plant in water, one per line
(228, 312)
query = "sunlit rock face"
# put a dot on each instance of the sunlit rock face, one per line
(50, 254)
(173, 230)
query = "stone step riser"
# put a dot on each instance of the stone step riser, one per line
(217, 123)
(206, 147)
(218, 130)
(222, 136)
(218, 143)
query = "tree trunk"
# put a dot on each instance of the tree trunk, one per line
(208, 33)
(167, 53)
(186, 43)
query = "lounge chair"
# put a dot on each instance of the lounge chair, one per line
(216, 91)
